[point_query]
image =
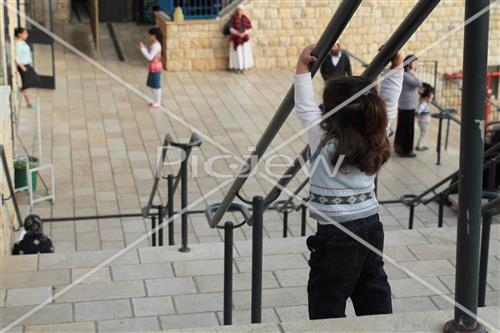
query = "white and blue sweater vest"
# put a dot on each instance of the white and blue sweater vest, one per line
(339, 196)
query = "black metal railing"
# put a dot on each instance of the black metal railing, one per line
(158, 212)
(12, 192)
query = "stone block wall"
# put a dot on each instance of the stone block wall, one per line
(283, 27)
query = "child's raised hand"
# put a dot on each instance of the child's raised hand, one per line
(305, 59)
(141, 45)
(397, 60)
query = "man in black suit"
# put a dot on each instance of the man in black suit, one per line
(337, 64)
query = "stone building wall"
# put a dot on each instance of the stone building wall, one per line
(6, 210)
(283, 27)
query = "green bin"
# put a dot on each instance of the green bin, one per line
(20, 179)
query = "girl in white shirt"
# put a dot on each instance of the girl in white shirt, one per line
(348, 149)
(155, 67)
(24, 63)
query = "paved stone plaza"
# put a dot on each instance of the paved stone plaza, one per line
(102, 140)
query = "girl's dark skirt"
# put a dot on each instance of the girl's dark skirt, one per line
(154, 80)
(29, 78)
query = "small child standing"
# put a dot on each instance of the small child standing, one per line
(155, 66)
(423, 114)
(356, 138)
(34, 240)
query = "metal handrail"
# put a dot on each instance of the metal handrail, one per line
(395, 42)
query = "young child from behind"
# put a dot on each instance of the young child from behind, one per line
(355, 137)
(424, 114)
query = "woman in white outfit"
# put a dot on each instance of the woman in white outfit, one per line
(240, 48)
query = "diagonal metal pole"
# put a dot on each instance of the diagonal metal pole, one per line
(475, 61)
(397, 40)
(332, 32)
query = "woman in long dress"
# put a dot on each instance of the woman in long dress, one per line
(240, 48)
(408, 102)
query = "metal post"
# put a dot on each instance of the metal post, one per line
(153, 227)
(483, 262)
(228, 273)
(257, 226)
(285, 223)
(438, 145)
(412, 215)
(485, 238)
(184, 204)
(447, 136)
(442, 198)
(303, 213)
(160, 225)
(475, 60)
(332, 32)
(170, 208)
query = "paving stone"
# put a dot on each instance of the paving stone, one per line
(199, 303)
(19, 263)
(35, 278)
(199, 267)
(274, 246)
(292, 313)
(101, 275)
(3, 296)
(87, 327)
(144, 324)
(242, 281)
(102, 291)
(292, 277)
(141, 271)
(173, 286)
(152, 306)
(399, 253)
(439, 235)
(274, 262)
(49, 314)
(27, 296)
(412, 288)
(430, 267)
(412, 304)
(112, 234)
(103, 310)
(272, 298)
(85, 259)
(176, 322)
(493, 279)
(403, 237)
(198, 251)
(434, 251)
(244, 316)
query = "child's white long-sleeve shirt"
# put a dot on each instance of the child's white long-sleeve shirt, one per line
(309, 113)
(153, 51)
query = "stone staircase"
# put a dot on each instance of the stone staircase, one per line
(154, 289)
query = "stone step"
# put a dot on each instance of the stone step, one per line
(425, 321)
(162, 288)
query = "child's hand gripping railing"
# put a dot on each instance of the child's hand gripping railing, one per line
(173, 184)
